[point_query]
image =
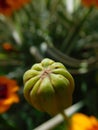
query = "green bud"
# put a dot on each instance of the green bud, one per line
(48, 86)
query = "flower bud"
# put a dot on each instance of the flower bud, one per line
(48, 86)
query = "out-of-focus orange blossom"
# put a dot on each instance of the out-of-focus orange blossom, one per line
(80, 121)
(7, 46)
(89, 3)
(7, 7)
(8, 95)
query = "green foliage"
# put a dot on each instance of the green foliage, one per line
(45, 28)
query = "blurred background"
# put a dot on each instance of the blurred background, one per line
(30, 30)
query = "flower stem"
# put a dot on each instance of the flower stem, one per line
(66, 118)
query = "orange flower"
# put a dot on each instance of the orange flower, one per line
(8, 96)
(8, 6)
(80, 121)
(7, 46)
(89, 3)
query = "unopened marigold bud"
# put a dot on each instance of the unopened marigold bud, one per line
(48, 86)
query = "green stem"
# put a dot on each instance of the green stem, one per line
(5, 122)
(66, 118)
(73, 33)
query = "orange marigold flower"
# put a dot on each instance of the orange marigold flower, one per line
(8, 95)
(8, 6)
(7, 46)
(80, 121)
(89, 3)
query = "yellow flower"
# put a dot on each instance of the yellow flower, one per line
(8, 95)
(80, 121)
(89, 3)
(8, 6)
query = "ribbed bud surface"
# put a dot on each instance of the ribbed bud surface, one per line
(48, 86)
